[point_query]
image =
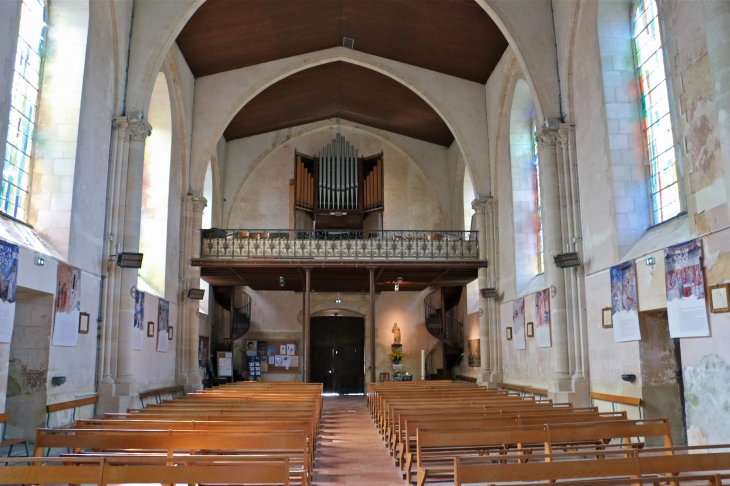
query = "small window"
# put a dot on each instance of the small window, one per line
(657, 123)
(15, 190)
(538, 203)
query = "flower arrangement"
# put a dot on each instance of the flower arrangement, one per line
(396, 356)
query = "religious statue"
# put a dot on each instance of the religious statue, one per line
(396, 334)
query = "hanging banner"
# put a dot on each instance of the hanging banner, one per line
(686, 308)
(518, 323)
(542, 319)
(8, 289)
(68, 306)
(138, 334)
(624, 304)
(163, 322)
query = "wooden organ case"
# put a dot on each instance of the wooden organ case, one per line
(338, 190)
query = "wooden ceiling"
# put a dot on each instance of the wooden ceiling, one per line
(338, 276)
(454, 37)
(343, 90)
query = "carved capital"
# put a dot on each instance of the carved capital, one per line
(199, 205)
(121, 125)
(491, 205)
(564, 134)
(479, 205)
(546, 138)
(139, 130)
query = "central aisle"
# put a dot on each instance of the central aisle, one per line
(350, 450)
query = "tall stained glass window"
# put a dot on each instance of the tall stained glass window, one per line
(663, 183)
(23, 110)
(538, 203)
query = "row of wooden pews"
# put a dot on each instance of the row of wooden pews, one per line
(442, 430)
(243, 433)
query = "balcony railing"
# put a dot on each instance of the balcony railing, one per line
(339, 245)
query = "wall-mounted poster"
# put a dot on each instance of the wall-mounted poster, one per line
(624, 304)
(163, 323)
(475, 354)
(261, 349)
(251, 349)
(518, 323)
(542, 319)
(68, 306)
(8, 289)
(686, 308)
(138, 331)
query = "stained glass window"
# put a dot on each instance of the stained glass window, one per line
(664, 180)
(23, 110)
(538, 203)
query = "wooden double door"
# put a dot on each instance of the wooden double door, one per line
(337, 353)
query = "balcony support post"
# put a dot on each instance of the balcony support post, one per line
(372, 324)
(307, 319)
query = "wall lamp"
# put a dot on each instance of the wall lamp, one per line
(490, 293)
(397, 283)
(281, 282)
(567, 260)
(129, 260)
(196, 294)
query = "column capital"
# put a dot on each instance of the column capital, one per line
(139, 130)
(564, 134)
(120, 123)
(199, 204)
(479, 205)
(546, 137)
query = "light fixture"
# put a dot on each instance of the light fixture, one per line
(129, 260)
(196, 294)
(650, 261)
(567, 260)
(489, 293)
(338, 300)
(281, 282)
(397, 283)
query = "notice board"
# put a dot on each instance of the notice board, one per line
(282, 356)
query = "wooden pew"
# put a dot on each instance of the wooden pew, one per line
(72, 404)
(431, 443)
(10, 443)
(146, 470)
(289, 444)
(636, 464)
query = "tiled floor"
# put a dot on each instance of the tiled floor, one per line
(350, 451)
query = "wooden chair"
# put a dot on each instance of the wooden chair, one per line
(4, 417)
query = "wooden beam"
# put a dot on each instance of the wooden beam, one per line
(442, 275)
(234, 272)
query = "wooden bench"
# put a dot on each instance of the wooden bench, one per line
(614, 399)
(157, 394)
(636, 464)
(72, 404)
(4, 417)
(146, 470)
(467, 379)
(109, 442)
(431, 443)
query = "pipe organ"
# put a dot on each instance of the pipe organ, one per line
(338, 188)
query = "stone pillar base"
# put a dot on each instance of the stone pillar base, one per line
(561, 390)
(112, 398)
(488, 379)
(582, 389)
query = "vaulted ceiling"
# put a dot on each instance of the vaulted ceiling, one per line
(454, 37)
(343, 90)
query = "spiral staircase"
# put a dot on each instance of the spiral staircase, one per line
(440, 309)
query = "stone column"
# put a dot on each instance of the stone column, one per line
(307, 322)
(485, 373)
(139, 130)
(717, 29)
(561, 385)
(194, 379)
(492, 305)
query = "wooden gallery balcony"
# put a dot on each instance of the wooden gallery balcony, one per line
(339, 260)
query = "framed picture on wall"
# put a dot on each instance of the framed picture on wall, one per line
(530, 329)
(720, 298)
(607, 317)
(150, 329)
(84, 323)
(509, 333)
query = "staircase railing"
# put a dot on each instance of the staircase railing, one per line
(440, 323)
(241, 318)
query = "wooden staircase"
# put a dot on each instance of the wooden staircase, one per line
(239, 322)
(441, 323)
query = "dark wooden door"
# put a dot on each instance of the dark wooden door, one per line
(337, 353)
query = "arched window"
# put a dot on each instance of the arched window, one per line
(15, 190)
(538, 202)
(155, 191)
(663, 176)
